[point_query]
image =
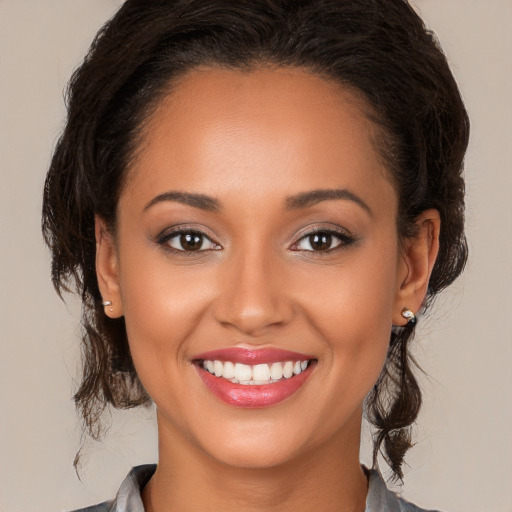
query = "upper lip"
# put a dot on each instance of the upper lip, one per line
(252, 356)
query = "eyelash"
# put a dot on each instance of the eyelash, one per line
(165, 238)
(345, 240)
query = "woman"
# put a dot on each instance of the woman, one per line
(255, 200)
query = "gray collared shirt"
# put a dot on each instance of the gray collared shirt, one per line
(128, 499)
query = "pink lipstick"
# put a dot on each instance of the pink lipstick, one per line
(253, 378)
(247, 356)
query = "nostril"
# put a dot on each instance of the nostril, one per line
(251, 321)
(251, 296)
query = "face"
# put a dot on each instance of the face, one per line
(257, 236)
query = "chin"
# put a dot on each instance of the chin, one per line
(257, 443)
(271, 455)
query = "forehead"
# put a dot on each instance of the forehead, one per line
(219, 128)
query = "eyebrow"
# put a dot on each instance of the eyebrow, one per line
(298, 201)
(307, 199)
(201, 201)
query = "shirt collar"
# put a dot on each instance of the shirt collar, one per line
(128, 499)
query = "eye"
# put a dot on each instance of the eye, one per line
(323, 241)
(188, 241)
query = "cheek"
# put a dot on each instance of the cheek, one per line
(162, 306)
(352, 309)
(356, 297)
(161, 313)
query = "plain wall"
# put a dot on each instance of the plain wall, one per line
(461, 462)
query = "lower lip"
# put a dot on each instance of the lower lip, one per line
(257, 396)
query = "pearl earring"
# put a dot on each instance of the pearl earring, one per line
(107, 303)
(409, 316)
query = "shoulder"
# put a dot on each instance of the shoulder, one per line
(381, 499)
(106, 506)
(128, 498)
(405, 506)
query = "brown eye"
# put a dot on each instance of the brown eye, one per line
(322, 241)
(190, 241)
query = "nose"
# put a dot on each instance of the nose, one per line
(253, 295)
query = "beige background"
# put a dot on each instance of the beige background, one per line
(461, 462)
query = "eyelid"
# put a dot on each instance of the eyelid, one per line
(167, 234)
(346, 238)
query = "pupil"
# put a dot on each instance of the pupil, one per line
(320, 241)
(191, 241)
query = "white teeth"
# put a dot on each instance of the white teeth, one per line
(253, 382)
(254, 374)
(218, 368)
(229, 370)
(287, 369)
(276, 371)
(243, 371)
(261, 372)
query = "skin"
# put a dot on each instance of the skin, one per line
(250, 141)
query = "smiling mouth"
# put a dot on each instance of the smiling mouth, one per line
(264, 378)
(254, 375)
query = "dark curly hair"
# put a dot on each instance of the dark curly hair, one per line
(379, 48)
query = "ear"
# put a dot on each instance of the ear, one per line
(107, 269)
(418, 256)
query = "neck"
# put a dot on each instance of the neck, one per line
(327, 478)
